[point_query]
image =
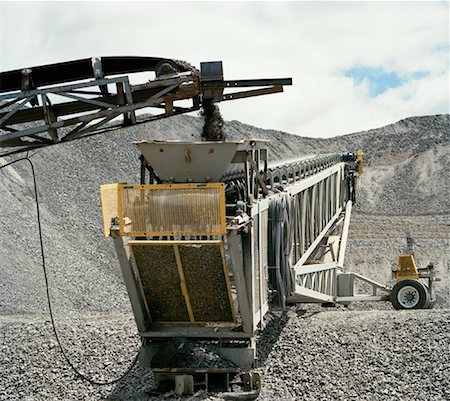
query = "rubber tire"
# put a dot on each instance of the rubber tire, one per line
(428, 302)
(422, 289)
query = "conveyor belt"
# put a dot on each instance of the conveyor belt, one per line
(288, 171)
(77, 70)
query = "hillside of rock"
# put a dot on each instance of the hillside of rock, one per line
(405, 174)
(407, 166)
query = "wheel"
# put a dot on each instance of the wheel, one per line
(428, 302)
(410, 294)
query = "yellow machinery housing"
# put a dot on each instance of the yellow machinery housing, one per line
(406, 268)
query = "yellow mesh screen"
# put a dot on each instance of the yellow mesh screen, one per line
(178, 209)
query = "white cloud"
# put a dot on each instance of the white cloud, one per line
(313, 42)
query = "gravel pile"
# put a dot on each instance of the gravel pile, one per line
(82, 264)
(406, 165)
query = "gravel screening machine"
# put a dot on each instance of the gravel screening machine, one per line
(215, 235)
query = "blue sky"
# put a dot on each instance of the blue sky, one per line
(378, 80)
(355, 65)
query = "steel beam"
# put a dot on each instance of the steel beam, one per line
(183, 83)
(247, 83)
(240, 283)
(343, 245)
(137, 300)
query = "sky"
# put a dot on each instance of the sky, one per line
(355, 65)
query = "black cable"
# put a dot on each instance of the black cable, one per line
(44, 267)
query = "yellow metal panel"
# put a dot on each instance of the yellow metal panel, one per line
(110, 207)
(172, 209)
(180, 242)
(359, 160)
(183, 286)
(406, 268)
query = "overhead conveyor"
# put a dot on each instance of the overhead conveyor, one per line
(55, 103)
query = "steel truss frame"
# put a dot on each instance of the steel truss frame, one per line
(90, 111)
(316, 190)
(319, 200)
(92, 107)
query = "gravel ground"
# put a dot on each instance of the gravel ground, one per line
(307, 353)
(33, 367)
(358, 355)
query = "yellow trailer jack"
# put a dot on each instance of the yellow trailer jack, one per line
(409, 292)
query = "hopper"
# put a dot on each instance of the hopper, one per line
(180, 162)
